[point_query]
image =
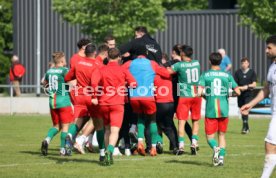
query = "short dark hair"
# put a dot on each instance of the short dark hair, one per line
(245, 59)
(187, 50)
(165, 56)
(83, 42)
(177, 48)
(142, 29)
(89, 50)
(271, 39)
(102, 48)
(108, 38)
(113, 53)
(215, 58)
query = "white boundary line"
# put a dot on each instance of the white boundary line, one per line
(118, 159)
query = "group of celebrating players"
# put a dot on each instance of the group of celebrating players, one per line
(136, 100)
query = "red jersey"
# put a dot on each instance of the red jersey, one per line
(87, 74)
(99, 61)
(163, 92)
(113, 81)
(74, 59)
(17, 71)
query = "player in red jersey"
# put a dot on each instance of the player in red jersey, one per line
(87, 74)
(112, 99)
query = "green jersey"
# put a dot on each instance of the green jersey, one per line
(188, 77)
(57, 88)
(217, 85)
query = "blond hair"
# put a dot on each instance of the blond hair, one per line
(57, 56)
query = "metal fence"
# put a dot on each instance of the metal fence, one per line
(205, 31)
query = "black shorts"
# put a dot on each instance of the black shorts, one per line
(244, 99)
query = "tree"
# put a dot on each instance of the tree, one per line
(185, 4)
(5, 38)
(259, 15)
(117, 17)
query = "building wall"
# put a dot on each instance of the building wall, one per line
(205, 31)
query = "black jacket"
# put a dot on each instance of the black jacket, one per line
(153, 48)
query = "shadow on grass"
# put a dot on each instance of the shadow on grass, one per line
(189, 162)
(59, 159)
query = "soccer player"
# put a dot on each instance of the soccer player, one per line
(188, 71)
(59, 101)
(102, 54)
(86, 73)
(246, 79)
(216, 84)
(142, 98)
(112, 99)
(165, 111)
(269, 89)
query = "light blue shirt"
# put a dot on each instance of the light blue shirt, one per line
(225, 62)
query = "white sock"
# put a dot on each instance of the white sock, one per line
(48, 140)
(194, 141)
(270, 162)
(181, 144)
(140, 139)
(153, 145)
(102, 152)
(89, 139)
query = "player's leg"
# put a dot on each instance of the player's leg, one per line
(211, 127)
(196, 114)
(51, 132)
(182, 114)
(222, 128)
(83, 138)
(124, 131)
(188, 131)
(100, 119)
(241, 102)
(116, 115)
(65, 118)
(270, 149)
(245, 118)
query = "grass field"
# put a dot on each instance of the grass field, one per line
(21, 136)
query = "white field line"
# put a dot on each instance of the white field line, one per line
(172, 157)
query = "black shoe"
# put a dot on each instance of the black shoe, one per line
(101, 159)
(175, 151)
(245, 130)
(147, 150)
(68, 145)
(193, 149)
(159, 148)
(180, 151)
(44, 148)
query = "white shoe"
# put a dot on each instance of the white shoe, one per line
(127, 152)
(62, 152)
(117, 152)
(221, 161)
(216, 156)
(79, 148)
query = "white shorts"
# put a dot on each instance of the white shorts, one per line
(271, 133)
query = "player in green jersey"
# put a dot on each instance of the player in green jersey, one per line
(216, 85)
(188, 71)
(59, 101)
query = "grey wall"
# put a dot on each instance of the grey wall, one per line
(205, 31)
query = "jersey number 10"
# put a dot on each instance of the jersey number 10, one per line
(192, 75)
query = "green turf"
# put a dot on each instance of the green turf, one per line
(21, 136)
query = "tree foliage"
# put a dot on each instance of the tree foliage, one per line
(118, 17)
(259, 15)
(185, 4)
(5, 38)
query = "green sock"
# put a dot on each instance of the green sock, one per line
(195, 137)
(181, 139)
(159, 139)
(73, 129)
(62, 139)
(52, 132)
(141, 128)
(100, 138)
(110, 148)
(222, 152)
(212, 143)
(154, 133)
